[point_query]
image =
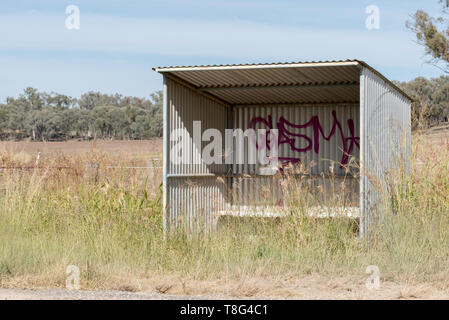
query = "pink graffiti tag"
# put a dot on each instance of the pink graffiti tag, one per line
(288, 137)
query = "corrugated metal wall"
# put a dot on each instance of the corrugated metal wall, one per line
(195, 192)
(192, 191)
(385, 138)
(259, 190)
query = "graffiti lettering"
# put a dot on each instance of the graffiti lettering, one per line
(286, 136)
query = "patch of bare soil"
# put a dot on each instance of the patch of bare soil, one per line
(311, 287)
(111, 147)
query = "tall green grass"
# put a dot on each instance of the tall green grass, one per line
(112, 228)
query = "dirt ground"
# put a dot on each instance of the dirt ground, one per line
(311, 287)
(139, 148)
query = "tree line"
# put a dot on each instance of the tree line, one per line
(430, 104)
(53, 116)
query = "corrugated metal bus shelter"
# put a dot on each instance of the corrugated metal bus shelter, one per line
(325, 112)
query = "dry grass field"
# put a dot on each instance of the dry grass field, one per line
(134, 150)
(109, 224)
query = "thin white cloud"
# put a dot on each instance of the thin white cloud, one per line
(76, 76)
(183, 37)
(43, 42)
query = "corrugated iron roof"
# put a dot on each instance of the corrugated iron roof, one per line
(281, 82)
(159, 69)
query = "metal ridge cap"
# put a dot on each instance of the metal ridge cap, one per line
(257, 66)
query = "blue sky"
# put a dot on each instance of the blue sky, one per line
(120, 41)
